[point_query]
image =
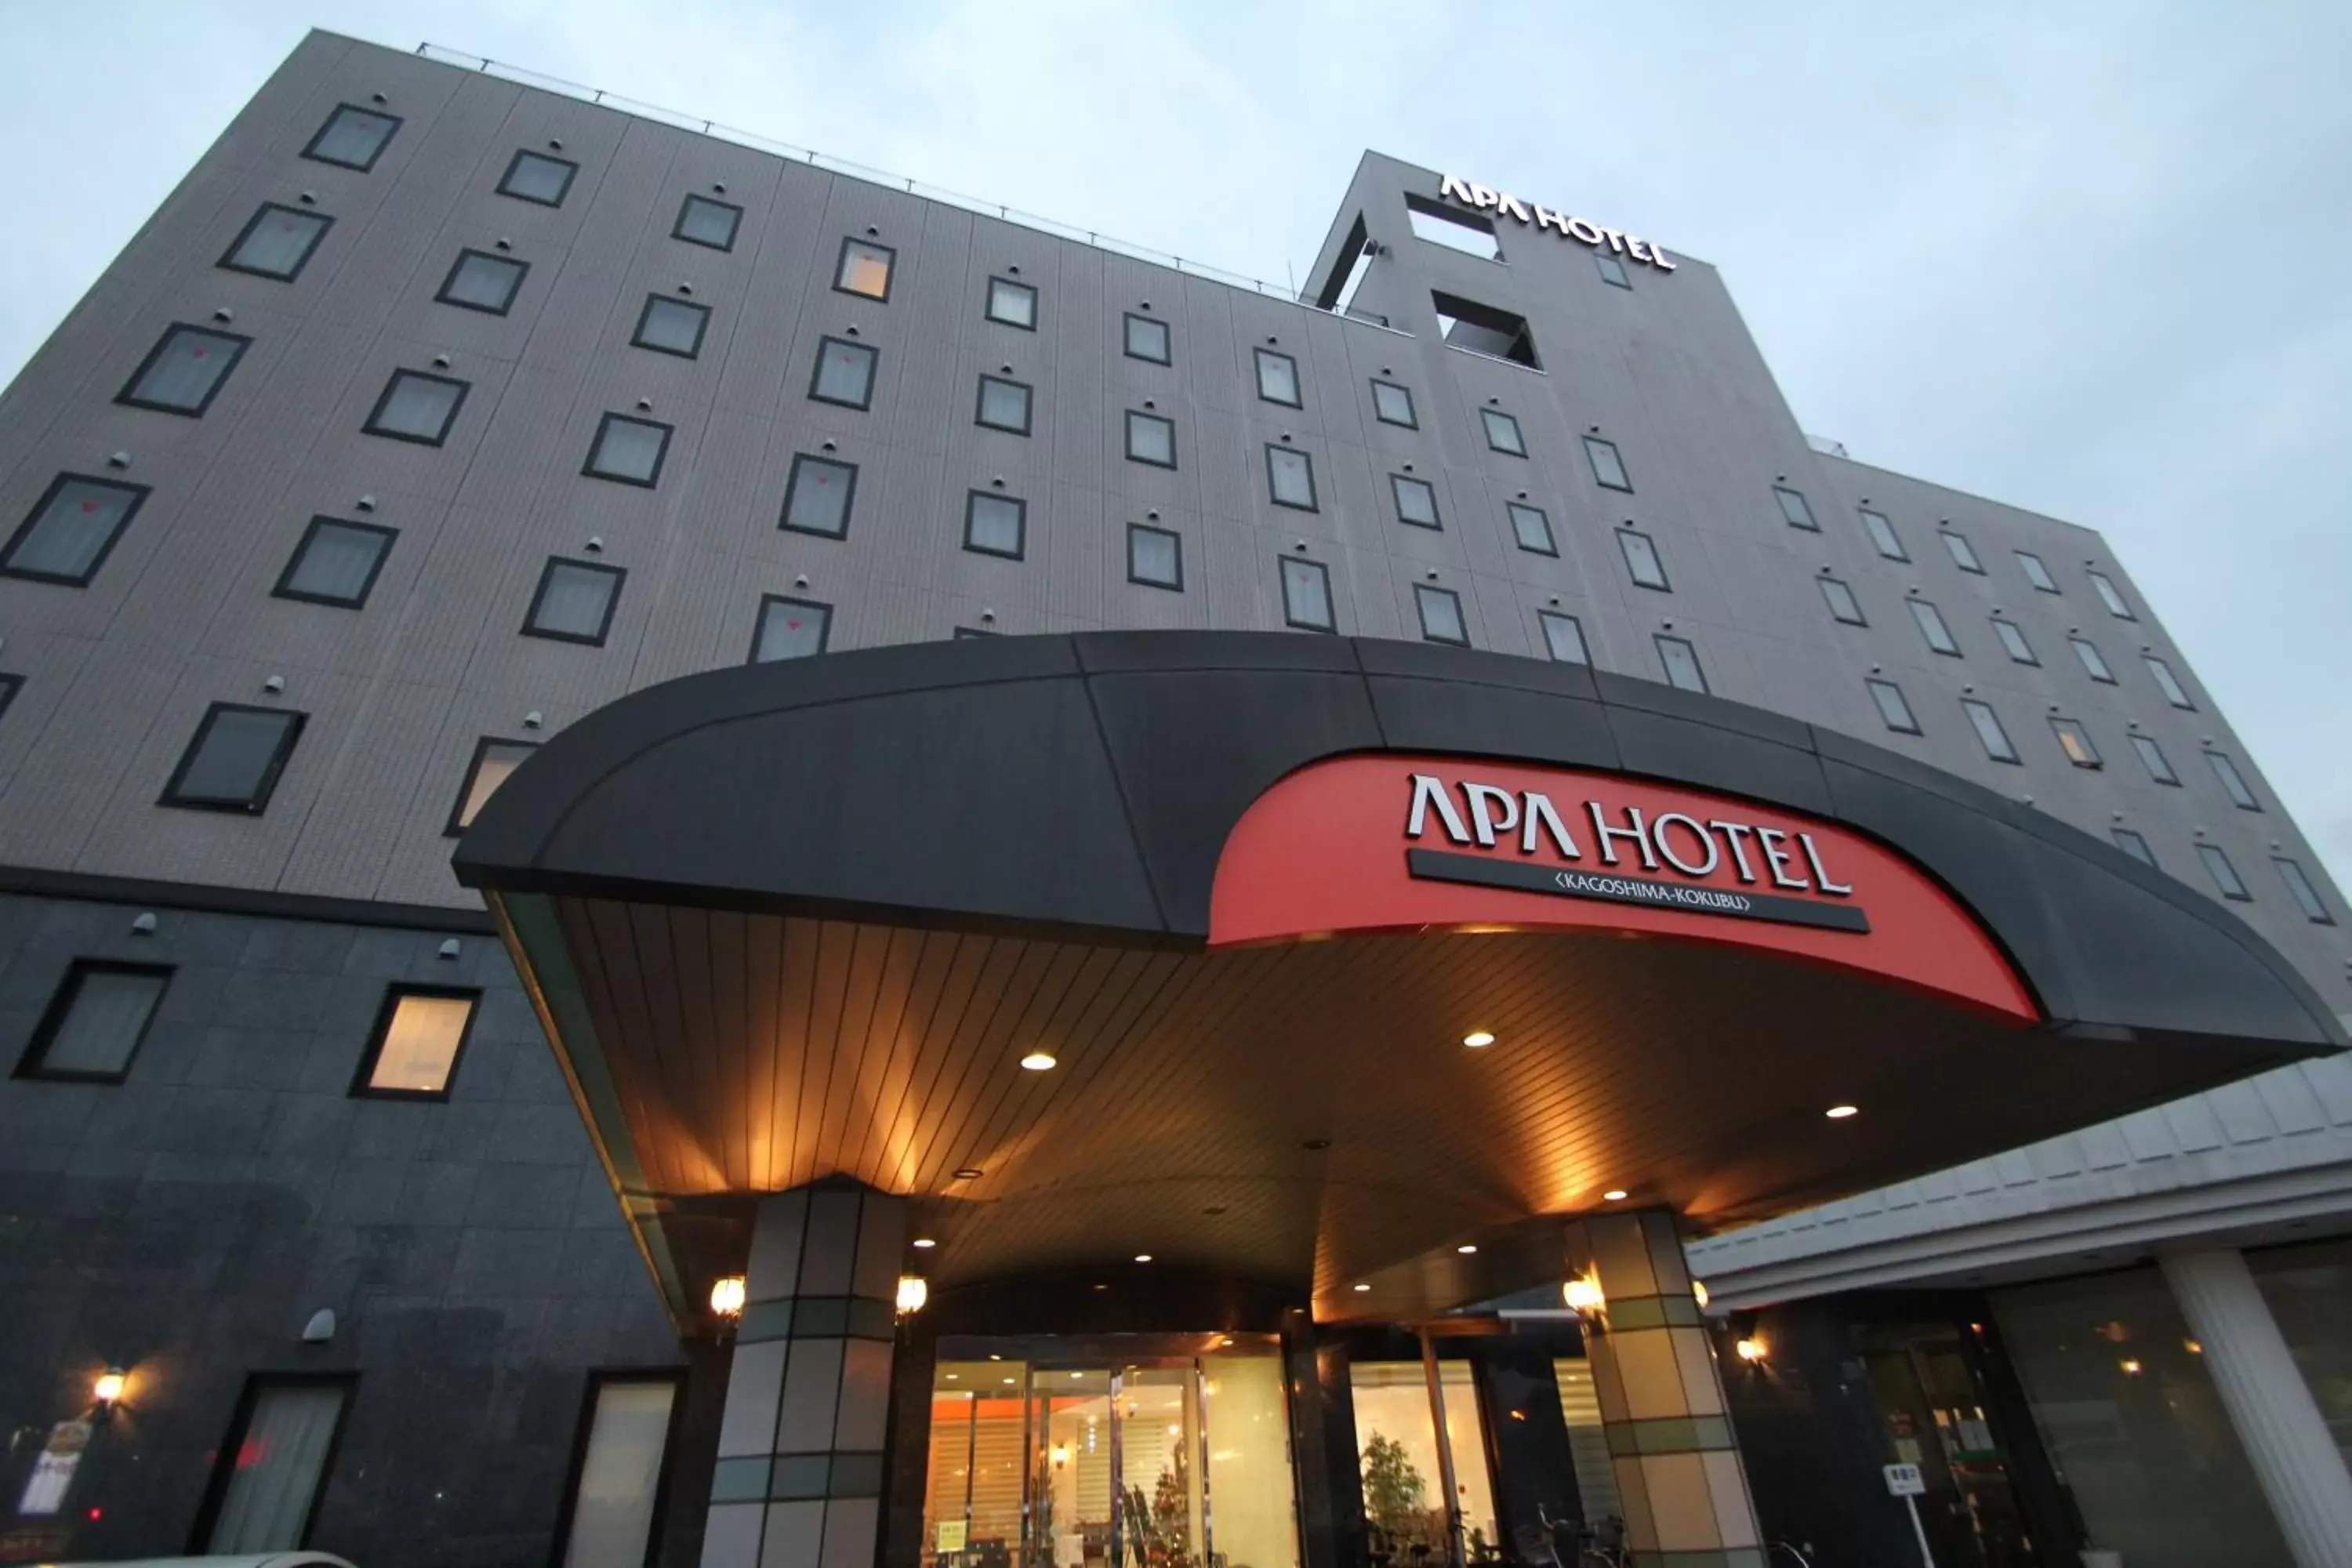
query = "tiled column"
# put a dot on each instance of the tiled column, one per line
(799, 1478)
(1679, 1478)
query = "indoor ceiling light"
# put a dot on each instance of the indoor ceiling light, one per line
(1840, 1113)
(1614, 1195)
(1038, 1061)
(925, 1241)
(1467, 1249)
(1143, 1257)
(1478, 1037)
(1364, 1287)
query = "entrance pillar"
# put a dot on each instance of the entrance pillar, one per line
(1679, 1477)
(798, 1483)
(2278, 1422)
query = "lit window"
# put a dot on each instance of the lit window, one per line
(818, 495)
(2035, 572)
(1290, 477)
(1795, 509)
(628, 450)
(995, 524)
(95, 1022)
(353, 137)
(1841, 602)
(2224, 875)
(1003, 405)
(535, 177)
(2232, 781)
(336, 563)
(493, 761)
(185, 372)
(1503, 432)
(1155, 557)
(234, 761)
(2133, 845)
(418, 1038)
(1278, 378)
(480, 281)
(1306, 595)
(702, 221)
(1563, 638)
(1531, 528)
(1641, 560)
(2168, 682)
(2110, 595)
(2012, 641)
(1989, 731)
(1963, 553)
(1393, 405)
(1611, 269)
(845, 373)
(2306, 897)
(574, 601)
(2159, 766)
(1932, 627)
(617, 1476)
(790, 628)
(1416, 502)
(70, 529)
(1608, 468)
(865, 268)
(1681, 662)
(272, 1465)
(1440, 614)
(1012, 303)
(2075, 741)
(1150, 439)
(1883, 536)
(415, 407)
(1147, 339)
(1893, 707)
(671, 326)
(277, 243)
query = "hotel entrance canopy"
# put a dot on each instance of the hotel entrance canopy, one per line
(1251, 893)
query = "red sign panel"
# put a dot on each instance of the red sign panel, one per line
(1386, 844)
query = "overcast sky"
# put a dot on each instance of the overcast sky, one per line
(2094, 263)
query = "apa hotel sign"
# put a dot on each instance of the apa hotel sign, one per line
(1486, 199)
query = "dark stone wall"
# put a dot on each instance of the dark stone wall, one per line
(187, 1223)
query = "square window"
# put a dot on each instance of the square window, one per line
(1532, 529)
(845, 373)
(1012, 304)
(1440, 614)
(671, 326)
(353, 137)
(1795, 509)
(1989, 731)
(271, 1468)
(336, 563)
(535, 177)
(1290, 477)
(1842, 604)
(493, 761)
(480, 281)
(1147, 339)
(790, 628)
(1393, 405)
(2224, 875)
(1150, 439)
(2306, 897)
(95, 1022)
(1641, 560)
(1611, 269)
(1963, 553)
(2168, 682)
(1932, 627)
(2233, 782)
(1155, 557)
(415, 407)
(2035, 572)
(2133, 845)
(817, 495)
(574, 601)
(1003, 405)
(185, 372)
(702, 221)
(235, 759)
(1894, 708)
(277, 242)
(419, 1035)
(2151, 756)
(995, 524)
(1306, 595)
(1503, 433)
(1608, 468)
(71, 529)
(1416, 502)
(1563, 638)
(627, 450)
(2012, 641)
(865, 268)
(2075, 741)
(1681, 662)
(2110, 595)
(1278, 379)
(1888, 543)
(2095, 664)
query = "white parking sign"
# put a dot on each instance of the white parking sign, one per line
(1904, 1480)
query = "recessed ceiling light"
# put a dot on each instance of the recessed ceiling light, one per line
(1467, 1248)
(1614, 1194)
(1840, 1113)
(1478, 1037)
(954, 1376)
(1038, 1061)
(925, 1241)
(1075, 1375)
(1364, 1287)
(1143, 1257)
(1008, 1380)
(992, 1357)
